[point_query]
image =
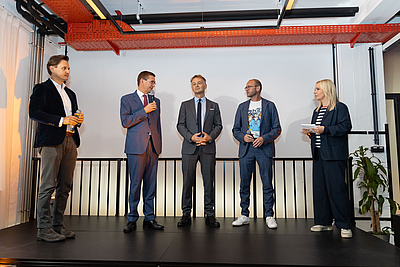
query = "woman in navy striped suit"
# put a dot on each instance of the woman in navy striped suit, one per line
(330, 150)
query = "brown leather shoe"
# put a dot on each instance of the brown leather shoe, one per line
(63, 231)
(49, 235)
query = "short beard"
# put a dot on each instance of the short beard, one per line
(251, 94)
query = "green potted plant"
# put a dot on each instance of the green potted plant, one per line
(373, 179)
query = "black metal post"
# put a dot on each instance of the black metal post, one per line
(373, 94)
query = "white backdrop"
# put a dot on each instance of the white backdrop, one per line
(288, 75)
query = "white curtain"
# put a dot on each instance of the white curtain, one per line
(14, 75)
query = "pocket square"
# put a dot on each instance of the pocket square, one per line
(211, 109)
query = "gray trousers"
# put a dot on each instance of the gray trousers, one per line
(58, 165)
(189, 163)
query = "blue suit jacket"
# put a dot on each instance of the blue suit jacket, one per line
(140, 125)
(334, 141)
(187, 125)
(270, 127)
(46, 107)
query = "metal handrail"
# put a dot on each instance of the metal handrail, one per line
(116, 177)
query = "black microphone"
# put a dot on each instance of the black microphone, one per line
(151, 96)
(249, 133)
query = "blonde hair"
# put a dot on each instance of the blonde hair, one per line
(329, 89)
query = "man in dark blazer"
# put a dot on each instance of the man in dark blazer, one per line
(256, 127)
(53, 106)
(140, 114)
(199, 123)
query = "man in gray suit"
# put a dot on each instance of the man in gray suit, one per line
(199, 123)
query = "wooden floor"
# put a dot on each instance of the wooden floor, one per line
(101, 242)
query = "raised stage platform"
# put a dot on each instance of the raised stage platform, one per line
(101, 242)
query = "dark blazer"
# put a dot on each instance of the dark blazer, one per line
(46, 107)
(187, 125)
(140, 124)
(270, 127)
(334, 141)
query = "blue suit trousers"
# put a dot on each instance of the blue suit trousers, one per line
(247, 165)
(331, 197)
(142, 168)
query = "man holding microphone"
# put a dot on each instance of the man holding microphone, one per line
(140, 114)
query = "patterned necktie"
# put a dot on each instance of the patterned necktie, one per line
(199, 130)
(145, 103)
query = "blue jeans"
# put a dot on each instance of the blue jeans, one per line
(247, 165)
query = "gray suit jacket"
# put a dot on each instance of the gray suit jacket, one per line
(187, 125)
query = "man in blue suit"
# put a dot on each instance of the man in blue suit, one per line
(53, 106)
(140, 114)
(256, 127)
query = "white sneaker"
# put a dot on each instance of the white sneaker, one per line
(241, 220)
(271, 222)
(321, 228)
(346, 233)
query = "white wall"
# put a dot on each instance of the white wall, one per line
(355, 91)
(392, 81)
(288, 74)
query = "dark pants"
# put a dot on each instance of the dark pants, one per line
(189, 163)
(142, 167)
(331, 197)
(58, 165)
(247, 165)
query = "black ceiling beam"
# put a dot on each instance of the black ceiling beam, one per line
(19, 4)
(188, 17)
(218, 16)
(306, 13)
(46, 23)
(45, 18)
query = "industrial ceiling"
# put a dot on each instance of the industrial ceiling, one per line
(159, 24)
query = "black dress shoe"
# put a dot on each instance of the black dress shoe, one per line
(210, 220)
(153, 225)
(131, 226)
(185, 220)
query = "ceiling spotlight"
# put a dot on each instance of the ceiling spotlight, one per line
(96, 9)
(290, 4)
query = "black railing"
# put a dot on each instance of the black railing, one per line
(101, 188)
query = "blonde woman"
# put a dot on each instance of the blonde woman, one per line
(329, 145)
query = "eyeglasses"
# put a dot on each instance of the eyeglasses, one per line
(248, 87)
(153, 82)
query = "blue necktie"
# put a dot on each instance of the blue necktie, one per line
(199, 118)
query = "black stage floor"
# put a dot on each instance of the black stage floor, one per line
(101, 242)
